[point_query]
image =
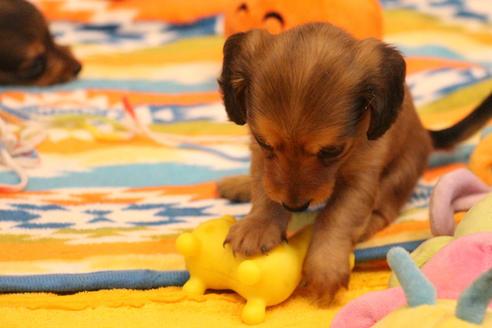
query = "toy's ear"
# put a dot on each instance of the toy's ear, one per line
(385, 84)
(473, 303)
(239, 54)
(418, 289)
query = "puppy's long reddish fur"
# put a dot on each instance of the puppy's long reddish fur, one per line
(332, 123)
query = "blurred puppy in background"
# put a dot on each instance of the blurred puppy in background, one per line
(333, 125)
(28, 53)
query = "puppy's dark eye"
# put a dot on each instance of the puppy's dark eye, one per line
(364, 103)
(361, 104)
(269, 151)
(36, 68)
(329, 153)
(263, 144)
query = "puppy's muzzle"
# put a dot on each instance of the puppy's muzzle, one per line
(76, 68)
(296, 209)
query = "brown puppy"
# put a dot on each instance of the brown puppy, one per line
(332, 124)
(28, 54)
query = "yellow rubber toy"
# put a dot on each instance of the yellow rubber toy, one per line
(262, 280)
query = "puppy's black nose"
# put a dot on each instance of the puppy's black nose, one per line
(77, 67)
(296, 209)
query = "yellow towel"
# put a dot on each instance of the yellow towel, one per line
(168, 307)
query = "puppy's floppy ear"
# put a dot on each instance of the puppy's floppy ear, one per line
(239, 53)
(385, 84)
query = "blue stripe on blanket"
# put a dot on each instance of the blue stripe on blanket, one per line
(131, 33)
(135, 279)
(69, 283)
(379, 253)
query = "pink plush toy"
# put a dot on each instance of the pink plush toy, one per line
(451, 271)
(459, 190)
(454, 264)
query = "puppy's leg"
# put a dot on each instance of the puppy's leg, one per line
(262, 229)
(236, 188)
(337, 227)
(396, 186)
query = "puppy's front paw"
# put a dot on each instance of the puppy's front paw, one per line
(252, 236)
(323, 277)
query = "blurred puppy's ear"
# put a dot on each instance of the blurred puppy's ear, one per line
(239, 54)
(386, 84)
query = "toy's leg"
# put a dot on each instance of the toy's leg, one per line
(253, 312)
(194, 287)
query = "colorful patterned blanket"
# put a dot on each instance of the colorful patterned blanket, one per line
(106, 197)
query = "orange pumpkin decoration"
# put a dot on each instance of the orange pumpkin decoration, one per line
(361, 18)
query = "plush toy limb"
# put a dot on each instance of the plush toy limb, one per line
(458, 190)
(254, 312)
(368, 309)
(418, 289)
(194, 287)
(422, 254)
(474, 301)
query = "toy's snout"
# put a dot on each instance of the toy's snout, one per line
(187, 245)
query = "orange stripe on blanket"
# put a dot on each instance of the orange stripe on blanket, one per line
(53, 10)
(406, 227)
(116, 96)
(24, 194)
(93, 198)
(74, 146)
(409, 227)
(174, 11)
(177, 11)
(199, 191)
(159, 98)
(419, 64)
(434, 173)
(10, 118)
(57, 249)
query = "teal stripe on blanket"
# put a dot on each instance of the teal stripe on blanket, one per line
(132, 175)
(209, 84)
